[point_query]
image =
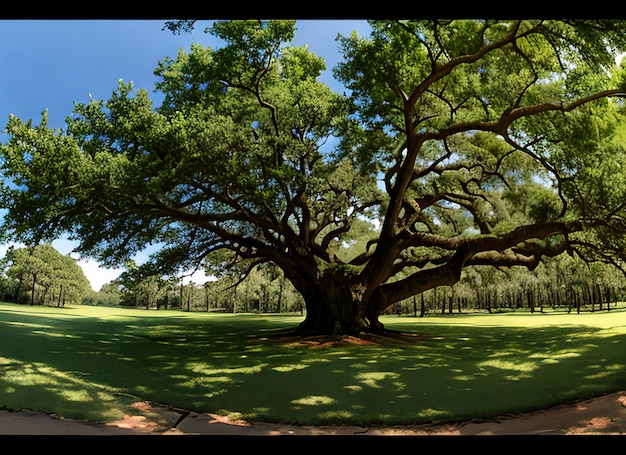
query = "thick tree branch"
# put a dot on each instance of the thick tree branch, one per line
(483, 248)
(508, 117)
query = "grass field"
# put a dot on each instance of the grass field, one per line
(92, 363)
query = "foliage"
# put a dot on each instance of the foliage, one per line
(264, 290)
(108, 295)
(559, 284)
(43, 276)
(459, 143)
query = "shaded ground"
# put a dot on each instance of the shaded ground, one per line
(291, 336)
(604, 415)
(599, 416)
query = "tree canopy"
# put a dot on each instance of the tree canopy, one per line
(41, 275)
(459, 143)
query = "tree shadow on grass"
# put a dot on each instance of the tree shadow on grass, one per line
(94, 368)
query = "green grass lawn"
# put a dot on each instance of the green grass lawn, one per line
(92, 363)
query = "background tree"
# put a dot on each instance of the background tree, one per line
(464, 143)
(108, 295)
(43, 276)
(139, 288)
(561, 283)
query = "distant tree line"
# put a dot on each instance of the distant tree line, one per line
(42, 276)
(264, 290)
(560, 283)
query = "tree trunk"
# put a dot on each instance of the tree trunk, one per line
(335, 311)
(350, 299)
(280, 292)
(340, 300)
(336, 303)
(32, 291)
(18, 288)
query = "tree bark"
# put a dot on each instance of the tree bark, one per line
(32, 291)
(334, 311)
(337, 302)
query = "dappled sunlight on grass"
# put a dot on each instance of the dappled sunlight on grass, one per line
(354, 388)
(374, 379)
(555, 357)
(29, 325)
(288, 368)
(209, 370)
(209, 382)
(606, 370)
(27, 375)
(512, 371)
(460, 376)
(464, 365)
(509, 365)
(52, 334)
(75, 395)
(430, 414)
(24, 385)
(313, 401)
(339, 416)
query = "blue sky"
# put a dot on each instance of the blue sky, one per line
(50, 64)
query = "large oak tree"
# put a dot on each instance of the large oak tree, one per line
(457, 144)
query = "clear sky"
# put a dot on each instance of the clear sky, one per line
(50, 64)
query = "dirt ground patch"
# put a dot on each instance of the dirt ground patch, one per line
(325, 341)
